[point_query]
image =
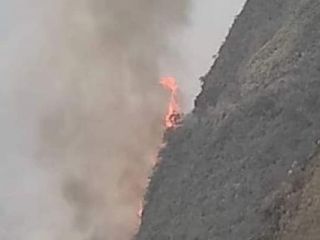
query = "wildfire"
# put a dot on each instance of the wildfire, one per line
(140, 212)
(174, 114)
(172, 117)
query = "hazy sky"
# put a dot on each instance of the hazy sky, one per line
(210, 22)
(24, 187)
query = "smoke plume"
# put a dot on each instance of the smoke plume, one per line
(84, 79)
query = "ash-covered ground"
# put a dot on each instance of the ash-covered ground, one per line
(245, 163)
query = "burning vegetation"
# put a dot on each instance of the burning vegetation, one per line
(173, 116)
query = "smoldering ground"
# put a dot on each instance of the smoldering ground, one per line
(82, 78)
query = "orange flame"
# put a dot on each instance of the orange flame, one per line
(140, 212)
(172, 119)
(173, 115)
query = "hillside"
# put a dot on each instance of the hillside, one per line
(244, 164)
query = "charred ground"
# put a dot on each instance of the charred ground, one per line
(244, 164)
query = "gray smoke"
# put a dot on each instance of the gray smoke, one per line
(83, 78)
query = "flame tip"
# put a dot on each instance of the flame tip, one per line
(174, 113)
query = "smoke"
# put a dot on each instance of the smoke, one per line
(209, 24)
(85, 114)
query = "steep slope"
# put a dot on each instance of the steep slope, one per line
(301, 219)
(239, 167)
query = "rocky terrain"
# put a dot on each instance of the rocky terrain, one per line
(245, 163)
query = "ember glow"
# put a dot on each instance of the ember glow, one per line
(172, 118)
(174, 114)
(140, 212)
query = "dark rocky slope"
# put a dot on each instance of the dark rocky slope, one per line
(243, 166)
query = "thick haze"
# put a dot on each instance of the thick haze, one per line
(81, 108)
(208, 26)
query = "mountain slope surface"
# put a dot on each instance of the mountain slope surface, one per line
(243, 165)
